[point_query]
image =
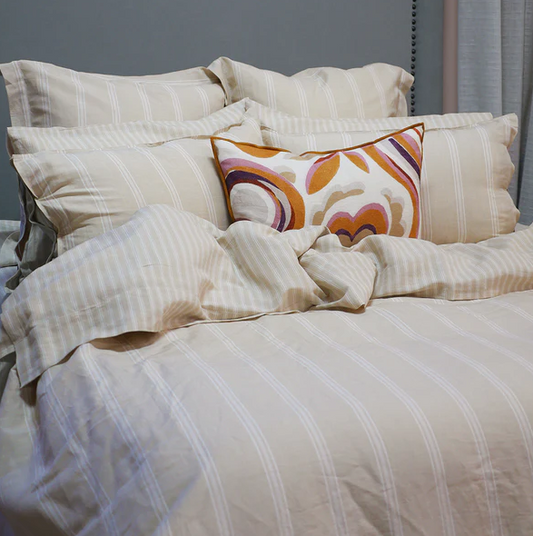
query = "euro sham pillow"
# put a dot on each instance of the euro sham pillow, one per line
(376, 90)
(45, 95)
(465, 176)
(85, 193)
(357, 191)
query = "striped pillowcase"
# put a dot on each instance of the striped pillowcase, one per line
(376, 90)
(45, 95)
(465, 174)
(85, 193)
(38, 241)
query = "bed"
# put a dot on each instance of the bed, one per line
(181, 356)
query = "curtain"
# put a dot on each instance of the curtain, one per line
(495, 74)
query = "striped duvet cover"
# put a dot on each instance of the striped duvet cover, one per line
(248, 382)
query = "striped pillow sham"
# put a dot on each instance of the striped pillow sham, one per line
(355, 192)
(376, 90)
(465, 175)
(38, 241)
(45, 95)
(85, 193)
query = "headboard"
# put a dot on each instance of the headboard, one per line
(136, 37)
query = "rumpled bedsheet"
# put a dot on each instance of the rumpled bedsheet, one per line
(167, 269)
(362, 415)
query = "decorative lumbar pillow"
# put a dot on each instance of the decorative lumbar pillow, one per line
(376, 90)
(357, 191)
(85, 193)
(45, 95)
(467, 167)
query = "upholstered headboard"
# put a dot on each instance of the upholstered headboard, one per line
(138, 37)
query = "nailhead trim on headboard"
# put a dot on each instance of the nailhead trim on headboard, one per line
(413, 55)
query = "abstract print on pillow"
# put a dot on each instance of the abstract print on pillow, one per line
(356, 192)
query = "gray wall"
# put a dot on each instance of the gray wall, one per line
(145, 37)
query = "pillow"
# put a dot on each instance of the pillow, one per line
(44, 95)
(85, 193)
(357, 191)
(376, 90)
(38, 240)
(466, 172)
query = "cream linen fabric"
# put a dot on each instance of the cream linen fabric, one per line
(195, 272)
(84, 193)
(9, 231)
(465, 173)
(45, 95)
(376, 90)
(22, 140)
(412, 416)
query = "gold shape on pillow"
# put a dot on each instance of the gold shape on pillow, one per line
(335, 197)
(358, 160)
(322, 172)
(259, 152)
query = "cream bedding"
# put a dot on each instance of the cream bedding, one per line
(360, 413)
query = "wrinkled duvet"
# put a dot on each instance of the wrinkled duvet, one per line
(173, 379)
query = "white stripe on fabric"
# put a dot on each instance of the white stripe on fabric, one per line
(45, 90)
(98, 199)
(113, 101)
(202, 182)
(202, 452)
(491, 186)
(128, 178)
(165, 178)
(302, 97)
(175, 102)
(205, 100)
(330, 98)
(80, 98)
(34, 432)
(145, 101)
(357, 407)
(514, 404)
(379, 89)
(419, 417)
(257, 437)
(458, 185)
(82, 461)
(468, 412)
(356, 93)
(306, 418)
(21, 82)
(271, 89)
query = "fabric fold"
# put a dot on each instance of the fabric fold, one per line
(125, 281)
